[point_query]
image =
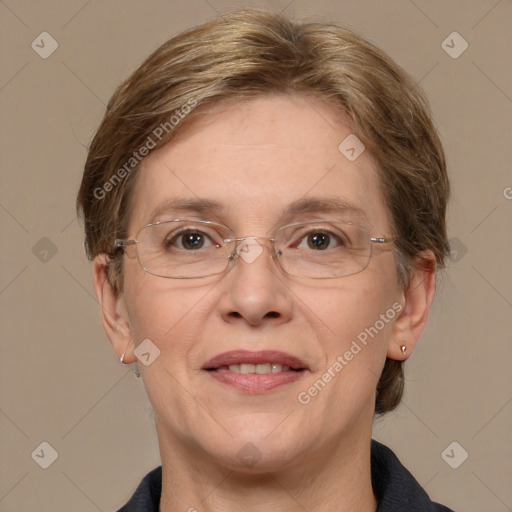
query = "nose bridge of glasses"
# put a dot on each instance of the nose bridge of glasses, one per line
(250, 247)
(250, 237)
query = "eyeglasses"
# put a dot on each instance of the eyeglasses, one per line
(318, 249)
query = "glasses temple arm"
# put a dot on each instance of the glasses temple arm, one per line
(384, 240)
(124, 243)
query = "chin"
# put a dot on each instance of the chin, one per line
(260, 450)
(252, 458)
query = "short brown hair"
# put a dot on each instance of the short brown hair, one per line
(251, 52)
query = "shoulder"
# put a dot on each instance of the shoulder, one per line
(146, 497)
(395, 488)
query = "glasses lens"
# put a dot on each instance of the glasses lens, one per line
(323, 249)
(183, 249)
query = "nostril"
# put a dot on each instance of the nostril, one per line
(270, 314)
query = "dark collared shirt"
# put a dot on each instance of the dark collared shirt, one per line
(395, 488)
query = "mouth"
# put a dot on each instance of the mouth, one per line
(260, 368)
(255, 372)
(261, 362)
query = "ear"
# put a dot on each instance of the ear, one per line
(114, 314)
(416, 300)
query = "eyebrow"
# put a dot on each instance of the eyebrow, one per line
(326, 204)
(181, 205)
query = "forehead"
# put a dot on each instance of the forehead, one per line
(256, 161)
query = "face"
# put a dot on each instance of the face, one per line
(255, 159)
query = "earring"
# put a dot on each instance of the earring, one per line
(121, 359)
(403, 348)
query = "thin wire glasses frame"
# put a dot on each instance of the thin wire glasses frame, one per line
(351, 256)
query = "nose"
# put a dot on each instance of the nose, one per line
(254, 289)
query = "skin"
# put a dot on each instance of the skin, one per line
(255, 158)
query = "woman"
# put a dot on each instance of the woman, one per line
(264, 204)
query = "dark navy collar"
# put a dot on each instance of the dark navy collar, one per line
(395, 488)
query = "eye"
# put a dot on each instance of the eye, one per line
(322, 236)
(319, 240)
(189, 240)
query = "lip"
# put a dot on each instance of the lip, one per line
(255, 383)
(250, 357)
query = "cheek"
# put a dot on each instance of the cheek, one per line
(353, 326)
(162, 310)
(173, 314)
(346, 310)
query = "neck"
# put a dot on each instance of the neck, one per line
(337, 479)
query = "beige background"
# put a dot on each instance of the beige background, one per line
(60, 380)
